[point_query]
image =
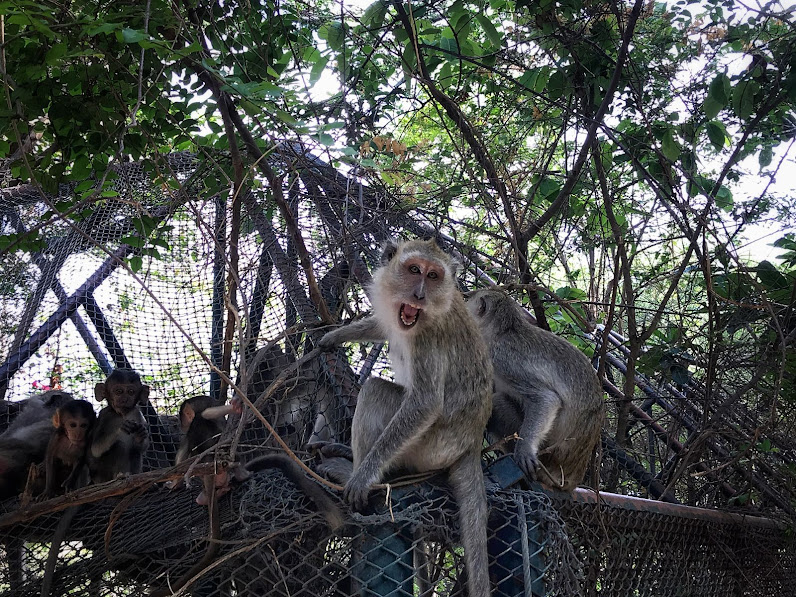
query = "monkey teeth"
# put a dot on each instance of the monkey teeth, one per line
(409, 315)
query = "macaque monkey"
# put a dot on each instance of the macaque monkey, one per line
(433, 416)
(23, 443)
(546, 391)
(121, 435)
(65, 460)
(25, 440)
(202, 421)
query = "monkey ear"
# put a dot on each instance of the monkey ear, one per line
(143, 395)
(99, 392)
(187, 415)
(388, 251)
(481, 306)
(455, 266)
(57, 419)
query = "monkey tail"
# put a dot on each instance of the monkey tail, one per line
(467, 481)
(55, 547)
(325, 504)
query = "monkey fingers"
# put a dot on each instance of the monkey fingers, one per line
(335, 469)
(527, 460)
(334, 450)
(357, 490)
(131, 427)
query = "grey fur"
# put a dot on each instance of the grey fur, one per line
(434, 416)
(546, 391)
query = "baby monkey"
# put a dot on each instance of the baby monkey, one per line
(202, 420)
(65, 459)
(545, 390)
(121, 435)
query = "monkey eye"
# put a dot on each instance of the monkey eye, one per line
(414, 269)
(433, 275)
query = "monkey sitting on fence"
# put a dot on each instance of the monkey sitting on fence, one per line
(121, 435)
(433, 416)
(546, 391)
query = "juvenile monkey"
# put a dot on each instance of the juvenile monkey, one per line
(121, 435)
(25, 441)
(546, 391)
(64, 462)
(433, 416)
(202, 421)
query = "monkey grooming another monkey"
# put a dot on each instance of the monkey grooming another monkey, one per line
(121, 435)
(65, 460)
(546, 391)
(433, 416)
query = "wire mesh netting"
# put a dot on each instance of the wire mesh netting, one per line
(140, 280)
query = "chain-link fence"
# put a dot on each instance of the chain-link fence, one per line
(141, 280)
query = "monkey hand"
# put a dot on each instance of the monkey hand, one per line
(328, 341)
(132, 427)
(137, 430)
(358, 488)
(527, 459)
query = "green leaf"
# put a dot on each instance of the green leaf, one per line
(492, 34)
(670, 147)
(717, 134)
(555, 85)
(724, 199)
(326, 139)
(718, 96)
(317, 69)
(719, 89)
(712, 108)
(743, 95)
(765, 157)
(131, 36)
(136, 263)
(54, 53)
(285, 117)
(102, 28)
(374, 14)
(334, 34)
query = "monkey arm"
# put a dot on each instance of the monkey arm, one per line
(418, 411)
(540, 407)
(106, 432)
(49, 465)
(363, 330)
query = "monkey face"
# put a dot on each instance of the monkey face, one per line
(75, 419)
(76, 429)
(414, 283)
(124, 397)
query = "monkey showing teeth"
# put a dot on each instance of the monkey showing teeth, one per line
(409, 315)
(433, 416)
